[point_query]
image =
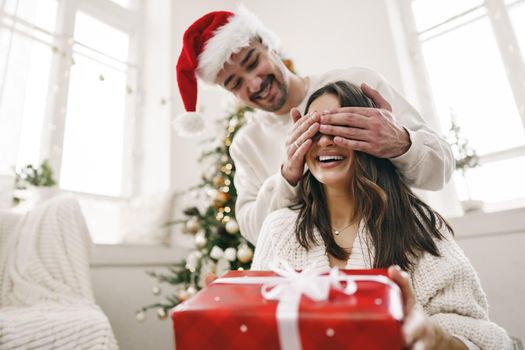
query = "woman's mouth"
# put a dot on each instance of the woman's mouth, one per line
(330, 161)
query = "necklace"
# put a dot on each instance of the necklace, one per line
(337, 232)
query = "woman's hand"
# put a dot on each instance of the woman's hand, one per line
(298, 143)
(418, 330)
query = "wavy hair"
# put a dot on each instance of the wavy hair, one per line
(399, 224)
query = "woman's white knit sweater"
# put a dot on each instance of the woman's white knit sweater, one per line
(447, 287)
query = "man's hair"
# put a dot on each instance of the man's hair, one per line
(399, 225)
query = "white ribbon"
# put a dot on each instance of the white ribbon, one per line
(288, 287)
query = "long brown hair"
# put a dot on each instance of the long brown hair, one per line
(399, 224)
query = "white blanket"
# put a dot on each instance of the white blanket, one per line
(46, 299)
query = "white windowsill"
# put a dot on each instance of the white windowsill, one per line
(127, 255)
(478, 224)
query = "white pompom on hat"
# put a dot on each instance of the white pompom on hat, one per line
(207, 44)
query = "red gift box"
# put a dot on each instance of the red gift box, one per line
(237, 316)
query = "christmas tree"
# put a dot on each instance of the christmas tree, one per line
(219, 245)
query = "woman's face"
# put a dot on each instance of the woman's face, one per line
(329, 164)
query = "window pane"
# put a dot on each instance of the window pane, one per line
(41, 13)
(23, 100)
(505, 179)
(429, 13)
(94, 133)
(101, 37)
(517, 16)
(468, 77)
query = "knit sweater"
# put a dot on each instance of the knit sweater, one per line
(258, 151)
(446, 287)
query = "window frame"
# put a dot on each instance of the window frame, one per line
(508, 45)
(52, 139)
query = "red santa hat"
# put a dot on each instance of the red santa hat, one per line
(207, 44)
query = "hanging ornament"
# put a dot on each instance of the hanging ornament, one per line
(216, 252)
(140, 315)
(218, 181)
(192, 225)
(220, 199)
(156, 290)
(244, 254)
(191, 290)
(183, 295)
(232, 226)
(200, 239)
(230, 254)
(192, 260)
(161, 313)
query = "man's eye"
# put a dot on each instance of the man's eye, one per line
(237, 85)
(253, 64)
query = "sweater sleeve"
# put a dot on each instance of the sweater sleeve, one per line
(450, 292)
(264, 250)
(256, 197)
(428, 164)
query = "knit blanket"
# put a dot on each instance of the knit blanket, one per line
(46, 299)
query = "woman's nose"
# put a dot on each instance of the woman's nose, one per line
(324, 140)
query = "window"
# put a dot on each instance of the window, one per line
(68, 82)
(472, 55)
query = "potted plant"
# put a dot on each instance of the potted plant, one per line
(466, 158)
(34, 185)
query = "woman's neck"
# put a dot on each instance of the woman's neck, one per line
(340, 204)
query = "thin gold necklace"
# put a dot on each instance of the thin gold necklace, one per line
(337, 232)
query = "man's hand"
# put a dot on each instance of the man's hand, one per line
(418, 330)
(298, 143)
(370, 130)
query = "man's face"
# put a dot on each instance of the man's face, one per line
(257, 77)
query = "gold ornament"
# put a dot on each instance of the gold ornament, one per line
(192, 225)
(161, 313)
(220, 199)
(218, 181)
(232, 226)
(183, 295)
(244, 254)
(156, 290)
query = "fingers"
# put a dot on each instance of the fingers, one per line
(403, 281)
(295, 114)
(305, 132)
(345, 119)
(355, 145)
(297, 158)
(414, 327)
(375, 96)
(346, 132)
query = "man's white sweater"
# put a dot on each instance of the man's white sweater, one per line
(447, 287)
(258, 151)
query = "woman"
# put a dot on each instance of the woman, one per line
(355, 211)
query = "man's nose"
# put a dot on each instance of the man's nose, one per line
(253, 82)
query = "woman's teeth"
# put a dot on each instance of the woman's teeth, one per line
(330, 158)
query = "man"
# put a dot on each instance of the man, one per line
(236, 51)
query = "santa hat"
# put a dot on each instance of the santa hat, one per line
(207, 44)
